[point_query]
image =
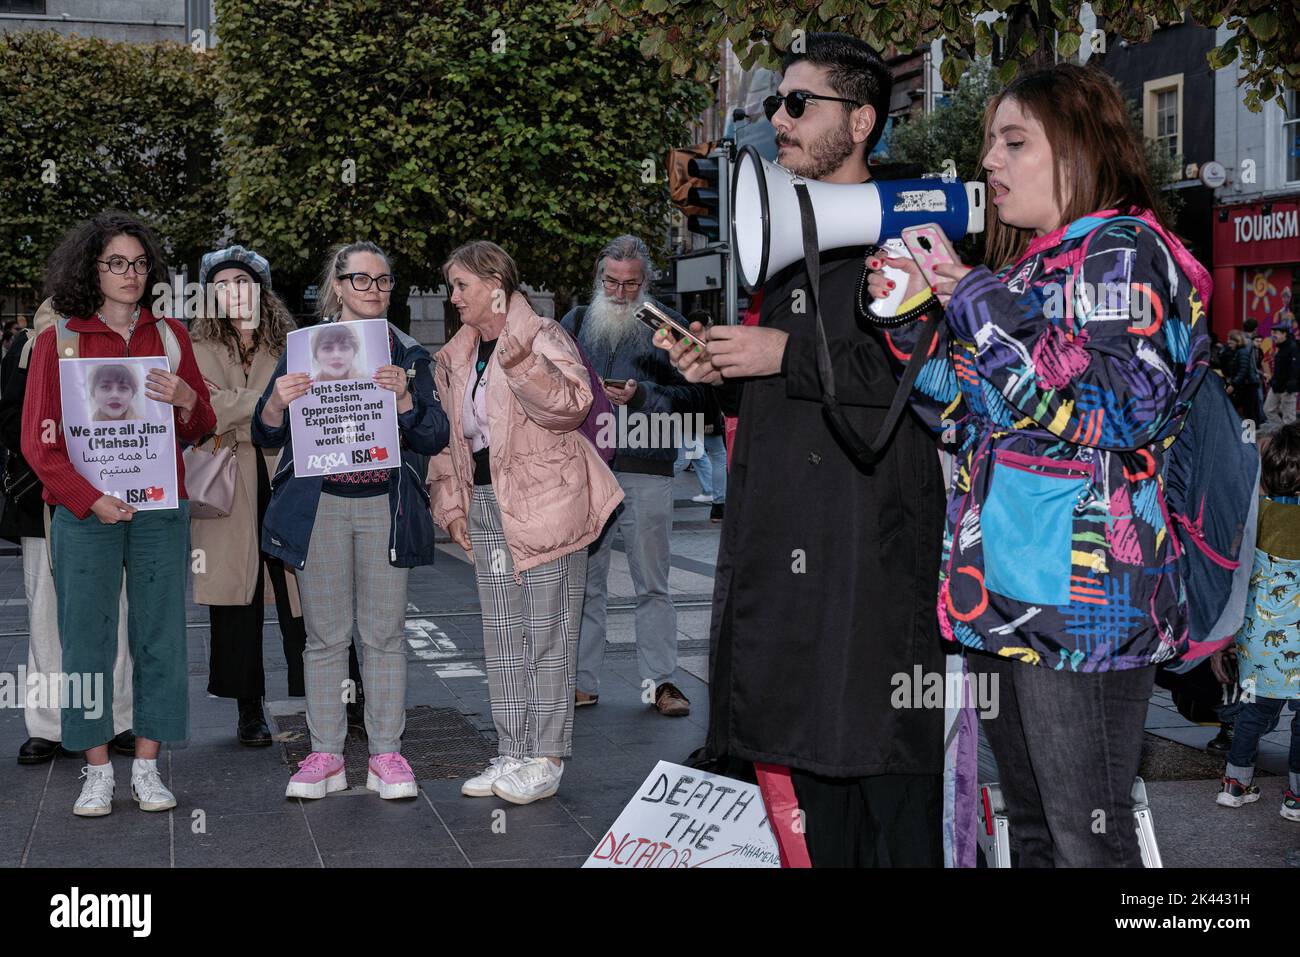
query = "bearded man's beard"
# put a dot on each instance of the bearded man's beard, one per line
(607, 324)
(826, 154)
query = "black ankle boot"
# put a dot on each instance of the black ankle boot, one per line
(253, 731)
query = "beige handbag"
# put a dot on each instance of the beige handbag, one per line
(210, 479)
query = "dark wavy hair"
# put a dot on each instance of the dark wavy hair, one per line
(72, 275)
(1280, 461)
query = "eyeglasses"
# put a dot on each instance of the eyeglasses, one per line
(795, 101)
(361, 281)
(118, 265)
(631, 285)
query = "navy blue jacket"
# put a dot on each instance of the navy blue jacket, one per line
(286, 530)
(660, 388)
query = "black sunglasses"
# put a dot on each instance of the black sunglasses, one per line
(795, 101)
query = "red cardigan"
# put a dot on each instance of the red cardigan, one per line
(41, 403)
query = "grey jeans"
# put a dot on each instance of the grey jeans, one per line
(1068, 747)
(347, 560)
(645, 524)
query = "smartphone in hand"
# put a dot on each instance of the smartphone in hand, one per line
(655, 318)
(929, 247)
(615, 383)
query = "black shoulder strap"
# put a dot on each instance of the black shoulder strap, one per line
(866, 454)
(577, 323)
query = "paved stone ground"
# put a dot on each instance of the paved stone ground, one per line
(232, 810)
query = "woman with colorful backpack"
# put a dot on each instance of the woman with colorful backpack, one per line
(1061, 373)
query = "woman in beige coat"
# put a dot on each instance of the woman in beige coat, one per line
(524, 493)
(237, 349)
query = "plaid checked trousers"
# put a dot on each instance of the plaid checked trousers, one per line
(346, 559)
(530, 637)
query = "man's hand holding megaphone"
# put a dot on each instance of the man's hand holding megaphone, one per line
(732, 352)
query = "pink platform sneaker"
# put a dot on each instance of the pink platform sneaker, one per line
(319, 774)
(391, 776)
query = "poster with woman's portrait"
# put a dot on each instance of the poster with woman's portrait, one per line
(347, 422)
(119, 440)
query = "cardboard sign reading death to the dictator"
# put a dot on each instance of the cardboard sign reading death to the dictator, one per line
(681, 817)
(347, 422)
(119, 440)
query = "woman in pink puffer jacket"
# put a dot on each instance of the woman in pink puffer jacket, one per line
(524, 493)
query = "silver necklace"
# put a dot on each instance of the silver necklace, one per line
(130, 330)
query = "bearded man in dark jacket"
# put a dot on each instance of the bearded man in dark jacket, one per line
(826, 575)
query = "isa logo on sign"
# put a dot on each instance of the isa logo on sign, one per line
(681, 817)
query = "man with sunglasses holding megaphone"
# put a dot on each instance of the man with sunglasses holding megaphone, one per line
(824, 591)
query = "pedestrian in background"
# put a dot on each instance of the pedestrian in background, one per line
(1268, 644)
(640, 378)
(1280, 406)
(1241, 372)
(524, 493)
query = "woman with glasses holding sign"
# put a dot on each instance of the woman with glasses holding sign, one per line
(99, 276)
(237, 341)
(355, 536)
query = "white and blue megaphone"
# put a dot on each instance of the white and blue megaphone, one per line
(765, 220)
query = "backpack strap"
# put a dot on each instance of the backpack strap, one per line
(69, 342)
(577, 323)
(171, 345)
(25, 357)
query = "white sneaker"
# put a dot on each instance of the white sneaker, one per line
(481, 785)
(97, 793)
(702, 499)
(536, 779)
(149, 791)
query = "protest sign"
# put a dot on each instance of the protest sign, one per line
(682, 817)
(119, 440)
(347, 422)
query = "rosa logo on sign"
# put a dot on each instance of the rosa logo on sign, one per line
(332, 461)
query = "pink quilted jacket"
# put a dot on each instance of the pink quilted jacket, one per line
(554, 491)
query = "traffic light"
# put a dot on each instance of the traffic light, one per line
(695, 188)
(705, 197)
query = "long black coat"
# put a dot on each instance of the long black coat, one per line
(826, 575)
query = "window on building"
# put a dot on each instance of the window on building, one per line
(1291, 137)
(1162, 111)
(22, 6)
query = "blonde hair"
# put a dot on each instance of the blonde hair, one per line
(486, 260)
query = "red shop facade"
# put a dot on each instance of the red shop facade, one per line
(1256, 260)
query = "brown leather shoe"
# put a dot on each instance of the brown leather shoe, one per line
(670, 701)
(582, 699)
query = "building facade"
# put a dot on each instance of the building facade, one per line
(1257, 214)
(136, 21)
